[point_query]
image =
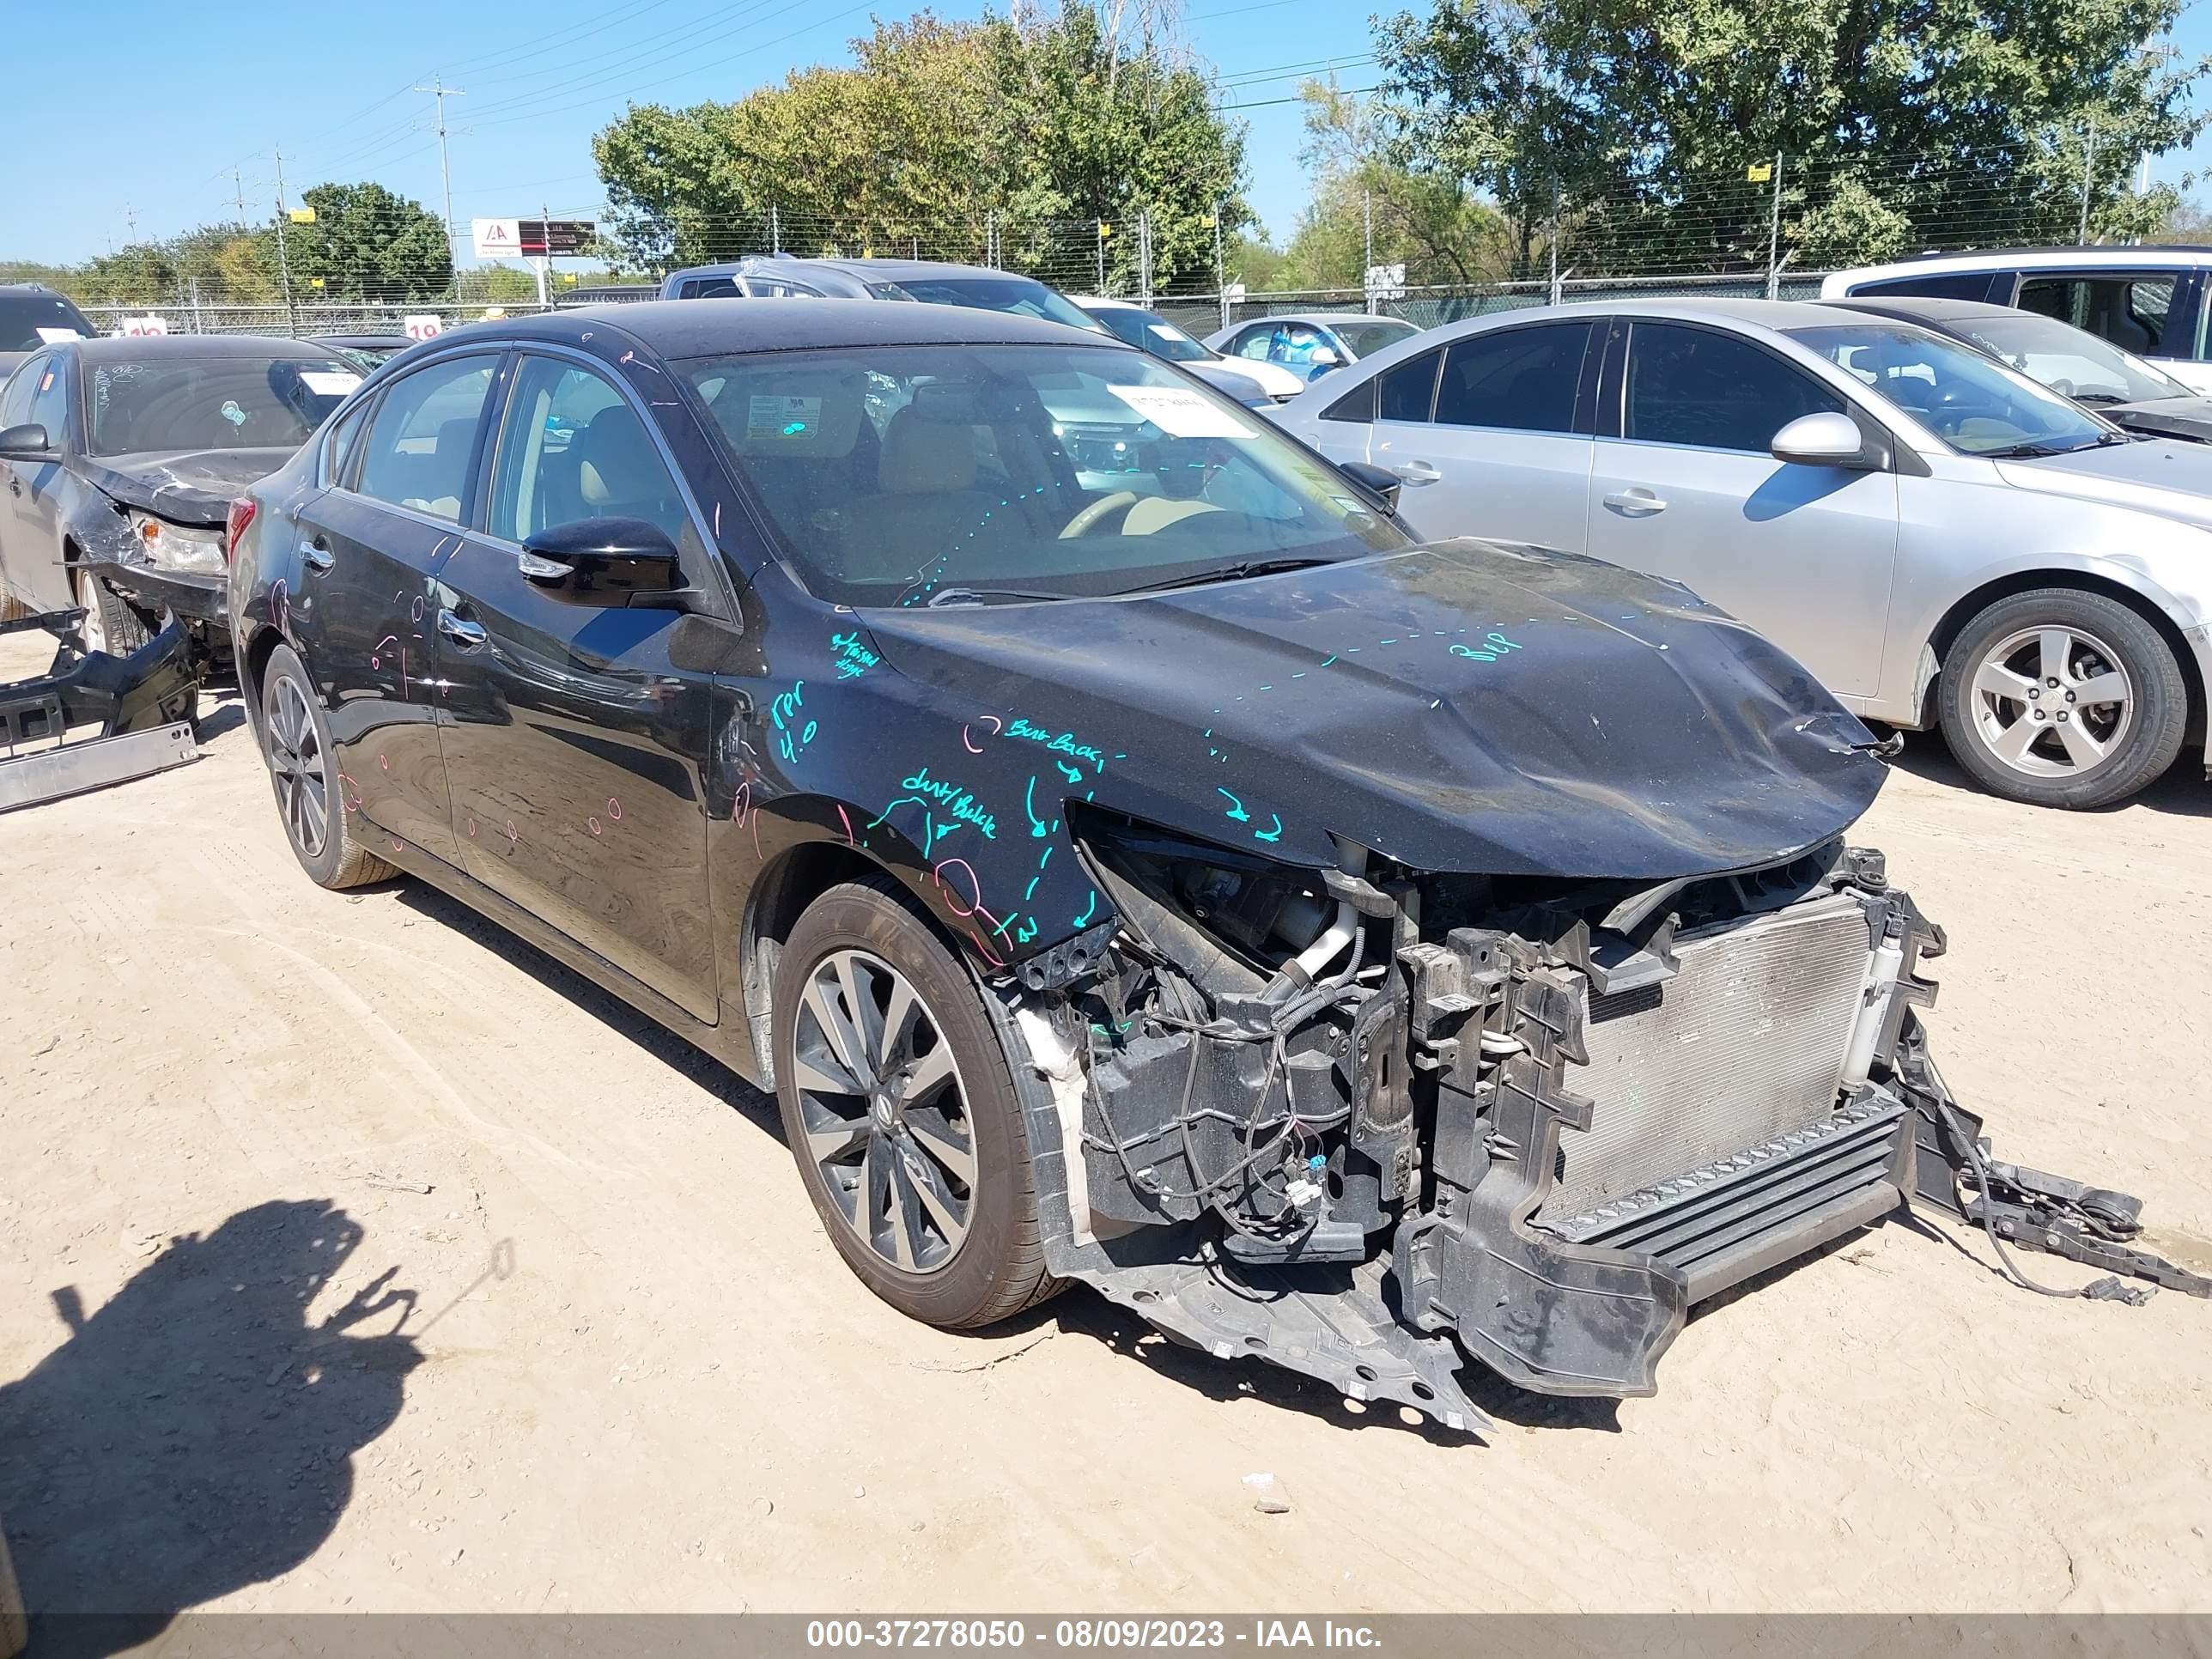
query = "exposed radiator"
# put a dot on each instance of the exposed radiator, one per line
(1745, 1043)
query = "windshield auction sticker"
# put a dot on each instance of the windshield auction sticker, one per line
(1182, 413)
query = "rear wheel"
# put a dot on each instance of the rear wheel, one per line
(303, 769)
(899, 1109)
(2062, 698)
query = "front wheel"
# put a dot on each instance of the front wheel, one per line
(899, 1108)
(110, 623)
(2063, 698)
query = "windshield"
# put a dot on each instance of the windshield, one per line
(1976, 406)
(2068, 360)
(29, 321)
(914, 475)
(1155, 334)
(209, 403)
(1368, 336)
(1017, 294)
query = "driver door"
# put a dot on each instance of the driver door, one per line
(576, 745)
(1683, 486)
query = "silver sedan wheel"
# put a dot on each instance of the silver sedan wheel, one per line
(885, 1111)
(297, 764)
(93, 628)
(2052, 703)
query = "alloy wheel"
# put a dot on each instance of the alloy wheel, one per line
(2053, 701)
(297, 764)
(885, 1111)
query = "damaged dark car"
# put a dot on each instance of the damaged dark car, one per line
(1129, 857)
(122, 457)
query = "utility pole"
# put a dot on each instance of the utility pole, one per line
(1221, 270)
(238, 184)
(1774, 234)
(1367, 245)
(131, 220)
(439, 90)
(2088, 171)
(544, 263)
(283, 254)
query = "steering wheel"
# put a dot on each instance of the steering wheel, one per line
(1087, 520)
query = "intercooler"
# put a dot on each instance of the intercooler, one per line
(1716, 1092)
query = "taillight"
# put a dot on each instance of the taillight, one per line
(241, 514)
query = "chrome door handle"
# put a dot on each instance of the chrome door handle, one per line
(463, 634)
(1635, 501)
(1416, 472)
(315, 556)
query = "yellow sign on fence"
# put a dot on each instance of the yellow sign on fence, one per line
(1758, 173)
(303, 215)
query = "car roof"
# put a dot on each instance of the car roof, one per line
(143, 348)
(890, 270)
(1329, 317)
(696, 328)
(2035, 259)
(360, 342)
(1930, 308)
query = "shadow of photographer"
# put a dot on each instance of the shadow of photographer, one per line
(195, 1435)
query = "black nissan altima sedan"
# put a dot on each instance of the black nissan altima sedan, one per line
(1126, 854)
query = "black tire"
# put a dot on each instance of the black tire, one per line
(337, 858)
(2105, 637)
(997, 1268)
(121, 630)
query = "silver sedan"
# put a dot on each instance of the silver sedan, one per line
(1939, 538)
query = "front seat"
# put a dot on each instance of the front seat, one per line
(620, 475)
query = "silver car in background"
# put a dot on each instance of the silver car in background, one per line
(1941, 539)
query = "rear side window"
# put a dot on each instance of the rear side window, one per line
(1958, 285)
(1407, 391)
(707, 288)
(419, 445)
(1695, 386)
(1524, 379)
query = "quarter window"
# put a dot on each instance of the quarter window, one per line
(338, 450)
(419, 446)
(574, 449)
(1254, 342)
(1524, 379)
(1695, 386)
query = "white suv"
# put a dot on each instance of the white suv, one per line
(2154, 302)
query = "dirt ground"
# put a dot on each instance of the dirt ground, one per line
(353, 1255)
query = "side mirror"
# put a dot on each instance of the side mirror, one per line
(26, 440)
(602, 562)
(1377, 481)
(1825, 440)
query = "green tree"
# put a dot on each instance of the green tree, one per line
(953, 140)
(141, 273)
(368, 244)
(1902, 123)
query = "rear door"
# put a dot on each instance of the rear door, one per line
(371, 548)
(1683, 486)
(577, 747)
(1490, 434)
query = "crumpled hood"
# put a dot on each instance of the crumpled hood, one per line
(194, 487)
(2169, 476)
(1459, 707)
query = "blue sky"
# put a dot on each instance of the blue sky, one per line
(111, 146)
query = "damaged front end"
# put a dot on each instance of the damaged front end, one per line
(1363, 1121)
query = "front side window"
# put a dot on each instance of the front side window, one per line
(16, 396)
(49, 400)
(2129, 311)
(1524, 379)
(918, 474)
(707, 288)
(574, 449)
(1974, 403)
(210, 403)
(418, 449)
(1255, 344)
(1697, 386)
